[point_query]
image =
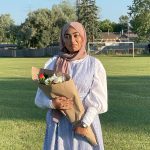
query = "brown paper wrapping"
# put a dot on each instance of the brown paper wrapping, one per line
(67, 89)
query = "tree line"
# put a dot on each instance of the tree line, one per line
(42, 27)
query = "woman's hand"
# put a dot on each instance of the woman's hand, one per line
(80, 130)
(63, 103)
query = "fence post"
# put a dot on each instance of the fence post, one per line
(14, 53)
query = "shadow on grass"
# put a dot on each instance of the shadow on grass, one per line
(129, 103)
(129, 100)
(17, 99)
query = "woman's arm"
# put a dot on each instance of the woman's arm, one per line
(41, 100)
(96, 100)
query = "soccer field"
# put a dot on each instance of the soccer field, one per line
(126, 126)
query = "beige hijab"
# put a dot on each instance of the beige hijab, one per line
(64, 59)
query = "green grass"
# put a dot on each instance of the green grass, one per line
(126, 126)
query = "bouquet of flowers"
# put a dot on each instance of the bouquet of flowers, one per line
(55, 84)
(45, 79)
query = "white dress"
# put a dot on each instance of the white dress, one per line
(90, 79)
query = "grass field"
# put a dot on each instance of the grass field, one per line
(126, 126)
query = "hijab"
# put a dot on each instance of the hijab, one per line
(64, 59)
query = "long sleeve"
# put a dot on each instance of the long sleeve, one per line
(96, 100)
(41, 100)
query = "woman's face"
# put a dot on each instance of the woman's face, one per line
(73, 40)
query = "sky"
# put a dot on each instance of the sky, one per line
(18, 9)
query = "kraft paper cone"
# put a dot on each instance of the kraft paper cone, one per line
(67, 89)
(35, 72)
(91, 136)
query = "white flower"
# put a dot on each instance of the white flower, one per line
(55, 79)
(48, 81)
(58, 80)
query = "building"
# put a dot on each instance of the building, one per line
(110, 37)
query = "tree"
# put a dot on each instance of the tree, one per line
(87, 15)
(61, 14)
(139, 12)
(13, 31)
(105, 25)
(117, 27)
(42, 27)
(5, 25)
(124, 21)
(35, 31)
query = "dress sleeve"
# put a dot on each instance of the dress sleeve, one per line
(96, 101)
(41, 100)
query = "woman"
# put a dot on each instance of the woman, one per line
(89, 76)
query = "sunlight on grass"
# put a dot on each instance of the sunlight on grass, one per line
(21, 134)
(126, 66)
